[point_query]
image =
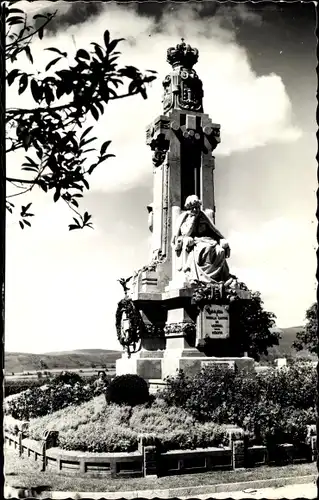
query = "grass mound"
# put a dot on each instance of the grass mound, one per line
(96, 426)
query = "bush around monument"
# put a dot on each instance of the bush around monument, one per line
(272, 407)
(51, 397)
(130, 390)
(15, 386)
(99, 427)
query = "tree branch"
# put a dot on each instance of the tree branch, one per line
(22, 181)
(8, 45)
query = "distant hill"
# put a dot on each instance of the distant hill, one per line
(78, 359)
(285, 349)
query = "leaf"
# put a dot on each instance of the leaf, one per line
(36, 90)
(85, 132)
(94, 112)
(56, 195)
(99, 52)
(85, 143)
(51, 63)
(113, 44)
(53, 49)
(75, 203)
(38, 16)
(40, 32)
(32, 162)
(12, 75)
(99, 106)
(103, 158)
(15, 20)
(104, 147)
(28, 53)
(16, 11)
(92, 167)
(86, 184)
(149, 79)
(106, 37)
(49, 97)
(87, 217)
(73, 226)
(82, 54)
(30, 169)
(23, 83)
(27, 222)
(21, 224)
(132, 86)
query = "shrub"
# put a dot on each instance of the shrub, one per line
(200, 394)
(48, 399)
(127, 389)
(274, 407)
(70, 378)
(68, 418)
(99, 437)
(15, 386)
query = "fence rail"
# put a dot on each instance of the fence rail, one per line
(149, 460)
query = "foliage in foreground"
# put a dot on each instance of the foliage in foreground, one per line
(252, 327)
(272, 407)
(98, 427)
(307, 338)
(64, 94)
(128, 389)
(60, 392)
(15, 386)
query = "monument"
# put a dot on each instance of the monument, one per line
(175, 313)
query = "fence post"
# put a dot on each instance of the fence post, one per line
(237, 444)
(20, 443)
(149, 448)
(44, 456)
(238, 454)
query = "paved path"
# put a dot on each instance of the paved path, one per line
(308, 491)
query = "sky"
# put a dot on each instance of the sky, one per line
(257, 63)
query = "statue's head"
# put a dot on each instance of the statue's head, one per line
(193, 203)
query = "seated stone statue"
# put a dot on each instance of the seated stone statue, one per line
(201, 250)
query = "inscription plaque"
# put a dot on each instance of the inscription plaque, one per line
(212, 323)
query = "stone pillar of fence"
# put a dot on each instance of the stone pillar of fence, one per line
(311, 441)
(237, 444)
(50, 438)
(43, 455)
(149, 447)
(20, 447)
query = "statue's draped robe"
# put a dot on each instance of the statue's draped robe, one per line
(198, 251)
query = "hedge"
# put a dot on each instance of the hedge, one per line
(97, 427)
(273, 408)
(15, 386)
(53, 396)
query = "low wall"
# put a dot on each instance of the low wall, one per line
(149, 460)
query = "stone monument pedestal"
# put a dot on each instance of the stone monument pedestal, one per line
(180, 336)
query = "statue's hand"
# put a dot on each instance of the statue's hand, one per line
(225, 245)
(189, 243)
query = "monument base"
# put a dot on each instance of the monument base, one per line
(155, 367)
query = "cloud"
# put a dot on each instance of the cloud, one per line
(277, 258)
(252, 110)
(61, 286)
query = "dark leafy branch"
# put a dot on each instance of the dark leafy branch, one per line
(51, 133)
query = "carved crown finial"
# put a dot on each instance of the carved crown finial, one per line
(182, 55)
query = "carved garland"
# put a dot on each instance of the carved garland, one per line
(133, 334)
(187, 328)
(219, 293)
